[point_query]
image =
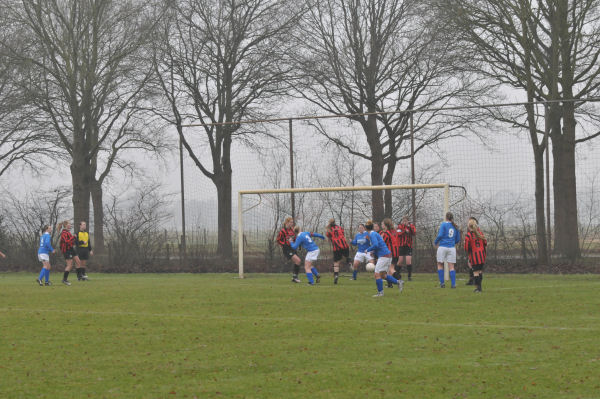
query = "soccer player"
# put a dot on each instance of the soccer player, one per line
(376, 229)
(285, 238)
(447, 238)
(390, 237)
(67, 247)
(84, 250)
(475, 246)
(362, 256)
(406, 231)
(340, 246)
(44, 256)
(384, 259)
(304, 239)
(471, 275)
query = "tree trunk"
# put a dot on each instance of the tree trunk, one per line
(98, 204)
(540, 212)
(566, 235)
(387, 196)
(376, 167)
(81, 188)
(538, 156)
(223, 185)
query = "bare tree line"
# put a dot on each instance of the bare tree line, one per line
(89, 82)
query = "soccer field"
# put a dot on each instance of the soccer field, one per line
(205, 336)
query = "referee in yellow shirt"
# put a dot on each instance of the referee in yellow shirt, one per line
(84, 249)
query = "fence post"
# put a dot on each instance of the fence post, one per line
(415, 257)
(548, 225)
(183, 246)
(292, 169)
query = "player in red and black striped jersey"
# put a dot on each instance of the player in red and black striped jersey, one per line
(340, 246)
(390, 237)
(406, 231)
(285, 238)
(476, 248)
(471, 275)
(67, 247)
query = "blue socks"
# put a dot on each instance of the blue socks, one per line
(379, 283)
(453, 277)
(354, 273)
(310, 278)
(391, 279)
(441, 275)
(47, 274)
(314, 271)
(42, 274)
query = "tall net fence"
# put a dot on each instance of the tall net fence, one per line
(490, 169)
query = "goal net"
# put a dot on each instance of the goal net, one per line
(261, 214)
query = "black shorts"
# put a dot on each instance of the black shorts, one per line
(394, 260)
(84, 253)
(340, 253)
(70, 254)
(288, 252)
(478, 268)
(405, 250)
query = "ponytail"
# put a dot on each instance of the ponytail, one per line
(388, 223)
(450, 218)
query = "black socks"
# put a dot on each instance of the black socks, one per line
(397, 275)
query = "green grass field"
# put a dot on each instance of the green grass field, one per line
(215, 336)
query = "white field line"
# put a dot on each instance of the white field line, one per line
(300, 319)
(537, 287)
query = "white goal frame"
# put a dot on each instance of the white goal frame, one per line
(445, 186)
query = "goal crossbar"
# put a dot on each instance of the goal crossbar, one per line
(241, 193)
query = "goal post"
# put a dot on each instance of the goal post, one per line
(242, 193)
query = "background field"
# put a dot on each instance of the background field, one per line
(206, 335)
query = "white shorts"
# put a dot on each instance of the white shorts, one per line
(383, 264)
(445, 254)
(363, 257)
(312, 255)
(44, 257)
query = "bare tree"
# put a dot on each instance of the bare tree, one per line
(366, 57)
(87, 82)
(25, 217)
(217, 63)
(548, 49)
(134, 224)
(22, 140)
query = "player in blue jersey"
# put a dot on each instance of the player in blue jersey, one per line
(304, 240)
(379, 249)
(447, 238)
(44, 256)
(361, 241)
